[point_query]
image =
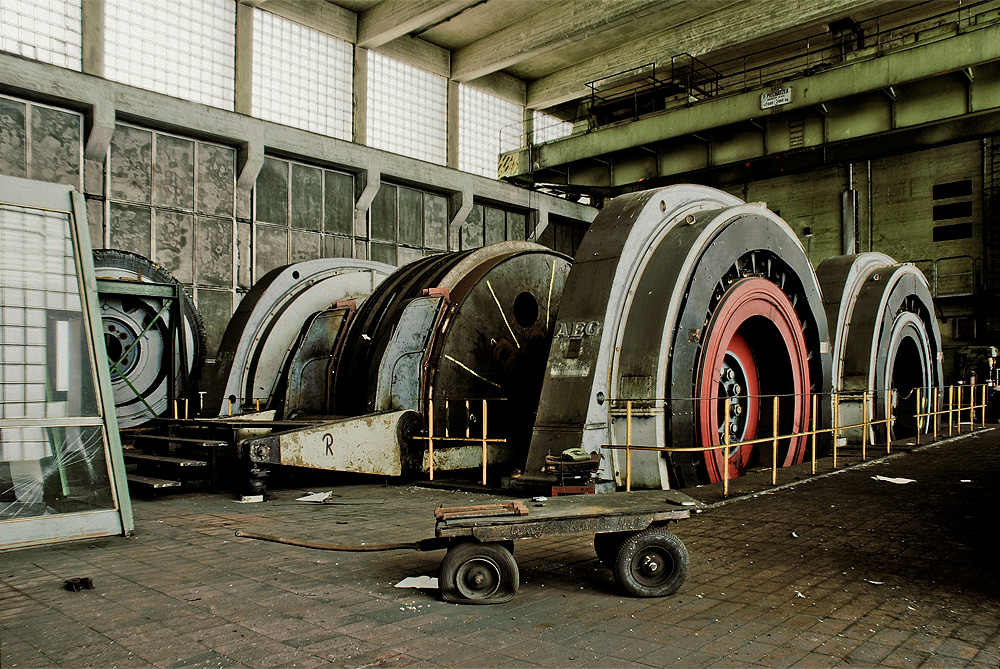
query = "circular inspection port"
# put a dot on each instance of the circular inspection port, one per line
(525, 309)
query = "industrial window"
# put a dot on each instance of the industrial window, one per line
(945, 212)
(407, 223)
(172, 199)
(563, 235)
(45, 30)
(486, 225)
(487, 126)
(548, 128)
(961, 188)
(948, 213)
(947, 233)
(303, 212)
(41, 143)
(183, 48)
(407, 109)
(302, 77)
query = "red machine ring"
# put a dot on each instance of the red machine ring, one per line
(749, 321)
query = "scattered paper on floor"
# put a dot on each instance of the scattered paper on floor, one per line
(890, 479)
(315, 497)
(418, 582)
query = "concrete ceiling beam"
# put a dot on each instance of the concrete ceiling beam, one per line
(717, 25)
(391, 19)
(547, 30)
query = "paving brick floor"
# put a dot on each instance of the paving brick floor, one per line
(838, 570)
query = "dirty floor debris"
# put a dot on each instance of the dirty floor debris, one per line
(842, 570)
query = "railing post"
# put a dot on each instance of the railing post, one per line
(484, 442)
(815, 406)
(888, 420)
(935, 416)
(430, 436)
(725, 450)
(951, 405)
(628, 446)
(836, 424)
(983, 414)
(864, 425)
(774, 443)
(958, 410)
(919, 417)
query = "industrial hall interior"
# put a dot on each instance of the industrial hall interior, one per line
(489, 333)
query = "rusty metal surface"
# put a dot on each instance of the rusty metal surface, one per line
(517, 508)
(576, 514)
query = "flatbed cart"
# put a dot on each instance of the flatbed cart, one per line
(630, 538)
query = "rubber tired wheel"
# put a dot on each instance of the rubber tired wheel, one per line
(651, 563)
(478, 573)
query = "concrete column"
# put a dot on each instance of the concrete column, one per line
(244, 59)
(360, 95)
(453, 121)
(92, 28)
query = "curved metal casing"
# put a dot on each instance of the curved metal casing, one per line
(631, 328)
(885, 310)
(270, 317)
(446, 327)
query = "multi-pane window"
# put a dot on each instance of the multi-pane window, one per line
(487, 224)
(45, 30)
(183, 48)
(41, 143)
(487, 126)
(407, 109)
(302, 77)
(407, 224)
(548, 128)
(172, 199)
(303, 212)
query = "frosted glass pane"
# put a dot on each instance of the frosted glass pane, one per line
(407, 110)
(45, 30)
(487, 126)
(302, 77)
(548, 128)
(183, 48)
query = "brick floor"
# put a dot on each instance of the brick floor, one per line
(833, 570)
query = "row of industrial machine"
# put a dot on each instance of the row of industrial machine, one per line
(683, 315)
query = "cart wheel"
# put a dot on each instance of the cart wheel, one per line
(607, 545)
(478, 573)
(651, 563)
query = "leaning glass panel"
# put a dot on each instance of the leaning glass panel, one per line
(49, 462)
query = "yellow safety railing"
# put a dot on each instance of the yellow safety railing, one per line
(484, 439)
(956, 408)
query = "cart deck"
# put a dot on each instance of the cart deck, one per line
(629, 538)
(575, 514)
